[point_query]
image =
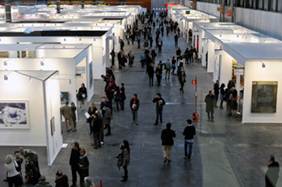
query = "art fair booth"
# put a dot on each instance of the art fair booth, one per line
(97, 39)
(202, 41)
(262, 98)
(30, 111)
(219, 62)
(73, 63)
(186, 18)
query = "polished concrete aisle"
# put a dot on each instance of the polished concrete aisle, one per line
(226, 153)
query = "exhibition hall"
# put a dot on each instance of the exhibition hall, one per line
(140, 93)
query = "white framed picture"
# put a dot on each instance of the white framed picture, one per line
(14, 114)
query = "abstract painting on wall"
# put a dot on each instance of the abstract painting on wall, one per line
(14, 114)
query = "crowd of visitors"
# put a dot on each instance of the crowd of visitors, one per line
(149, 29)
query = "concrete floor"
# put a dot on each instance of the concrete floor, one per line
(226, 153)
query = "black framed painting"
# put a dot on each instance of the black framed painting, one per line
(264, 96)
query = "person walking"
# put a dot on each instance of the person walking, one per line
(167, 69)
(189, 133)
(66, 112)
(13, 176)
(209, 100)
(82, 94)
(272, 173)
(159, 102)
(134, 106)
(159, 73)
(122, 96)
(117, 97)
(124, 159)
(113, 55)
(181, 77)
(83, 166)
(167, 136)
(74, 162)
(73, 112)
(107, 118)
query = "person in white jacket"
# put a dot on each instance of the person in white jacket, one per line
(13, 176)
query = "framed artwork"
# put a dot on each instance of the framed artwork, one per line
(64, 97)
(52, 125)
(14, 114)
(264, 96)
(91, 74)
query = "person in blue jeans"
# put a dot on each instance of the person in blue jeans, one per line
(189, 133)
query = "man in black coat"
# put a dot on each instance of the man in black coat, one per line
(189, 133)
(209, 100)
(272, 173)
(167, 142)
(159, 102)
(74, 162)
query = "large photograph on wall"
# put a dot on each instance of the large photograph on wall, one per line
(14, 114)
(91, 74)
(264, 96)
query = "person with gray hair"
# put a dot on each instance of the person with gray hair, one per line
(13, 176)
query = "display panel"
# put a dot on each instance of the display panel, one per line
(14, 114)
(264, 96)
(65, 97)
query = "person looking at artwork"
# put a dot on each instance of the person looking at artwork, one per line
(66, 112)
(82, 94)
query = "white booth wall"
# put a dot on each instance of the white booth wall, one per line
(66, 68)
(99, 66)
(55, 141)
(30, 90)
(255, 72)
(225, 67)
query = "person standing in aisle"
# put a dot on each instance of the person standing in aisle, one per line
(91, 111)
(209, 100)
(66, 112)
(176, 40)
(61, 179)
(167, 142)
(222, 95)
(74, 162)
(134, 106)
(124, 159)
(82, 94)
(73, 110)
(97, 130)
(272, 173)
(159, 102)
(123, 96)
(83, 166)
(113, 55)
(189, 133)
(173, 65)
(216, 92)
(151, 72)
(13, 176)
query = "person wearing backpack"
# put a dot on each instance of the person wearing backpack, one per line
(189, 133)
(159, 102)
